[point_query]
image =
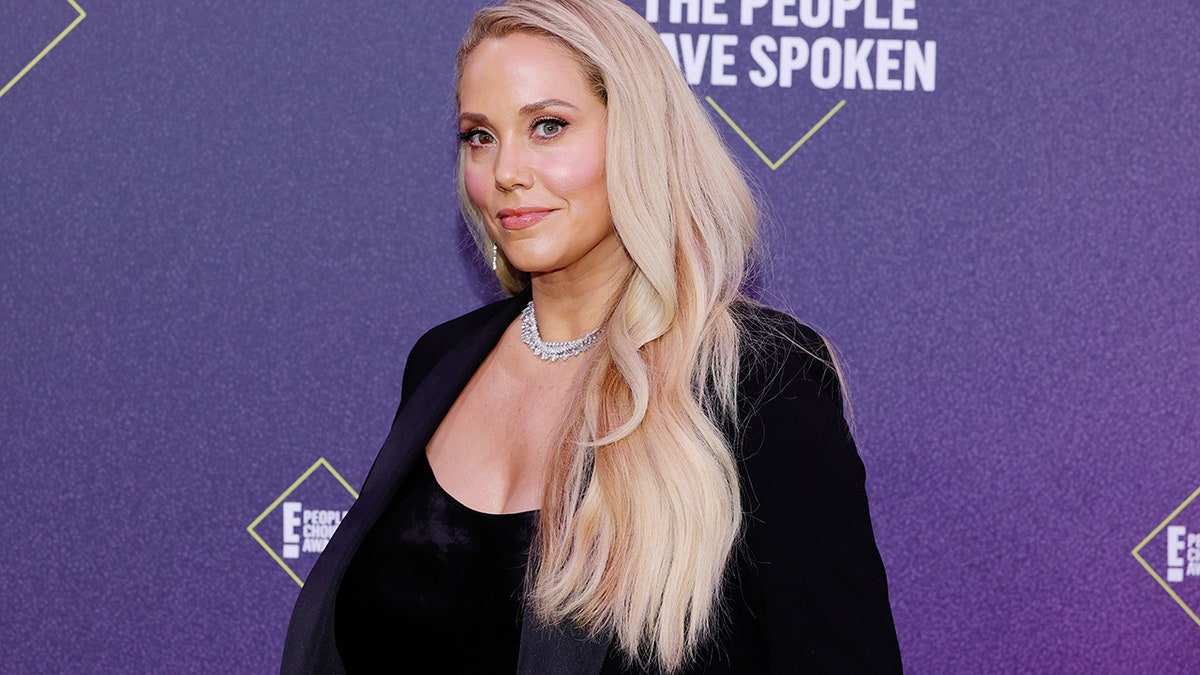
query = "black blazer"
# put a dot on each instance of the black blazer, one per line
(807, 590)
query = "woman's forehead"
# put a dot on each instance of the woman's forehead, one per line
(520, 66)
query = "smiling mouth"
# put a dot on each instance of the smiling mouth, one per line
(522, 217)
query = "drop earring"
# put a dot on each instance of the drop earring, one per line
(493, 256)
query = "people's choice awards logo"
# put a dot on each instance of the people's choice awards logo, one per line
(773, 49)
(1171, 554)
(297, 526)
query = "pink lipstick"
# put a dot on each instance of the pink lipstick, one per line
(522, 217)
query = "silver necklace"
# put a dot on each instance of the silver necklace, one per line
(552, 351)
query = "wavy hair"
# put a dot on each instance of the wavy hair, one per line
(642, 506)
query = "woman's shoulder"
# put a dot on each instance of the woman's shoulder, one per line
(447, 333)
(808, 561)
(778, 353)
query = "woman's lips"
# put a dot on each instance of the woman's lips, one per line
(522, 217)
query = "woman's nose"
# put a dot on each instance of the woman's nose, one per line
(513, 168)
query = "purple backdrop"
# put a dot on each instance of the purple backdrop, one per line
(223, 224)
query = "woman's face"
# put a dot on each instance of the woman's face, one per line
(533, 156)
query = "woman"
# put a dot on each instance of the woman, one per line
(626, 467)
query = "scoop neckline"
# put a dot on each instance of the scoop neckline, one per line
(454, 500)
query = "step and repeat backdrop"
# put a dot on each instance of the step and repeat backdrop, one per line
(223, 224)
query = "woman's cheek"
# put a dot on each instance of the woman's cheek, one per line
(478, 188)
(566, 174)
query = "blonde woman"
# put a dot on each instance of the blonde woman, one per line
(626, 466)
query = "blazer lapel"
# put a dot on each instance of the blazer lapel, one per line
(559, 649)
(310, 646)
(431, 400)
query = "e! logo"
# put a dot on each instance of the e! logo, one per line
(294, 535)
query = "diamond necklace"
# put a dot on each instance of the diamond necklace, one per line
(552, 351)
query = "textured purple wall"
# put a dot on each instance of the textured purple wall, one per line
(223, 224)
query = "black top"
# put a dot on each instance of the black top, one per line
(435, 582)
(436, 586)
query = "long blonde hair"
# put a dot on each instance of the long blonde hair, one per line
(642, 506)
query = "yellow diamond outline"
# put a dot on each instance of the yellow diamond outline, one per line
(1162, 582)
(754, 146)
(303, 477)
(53, 43)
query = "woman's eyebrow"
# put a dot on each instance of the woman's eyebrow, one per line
(473, 118)
(526, 110)
(538, 106)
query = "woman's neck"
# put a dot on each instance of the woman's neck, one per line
(571, 303)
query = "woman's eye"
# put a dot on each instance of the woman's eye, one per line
(475, 137)
(549, 127)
